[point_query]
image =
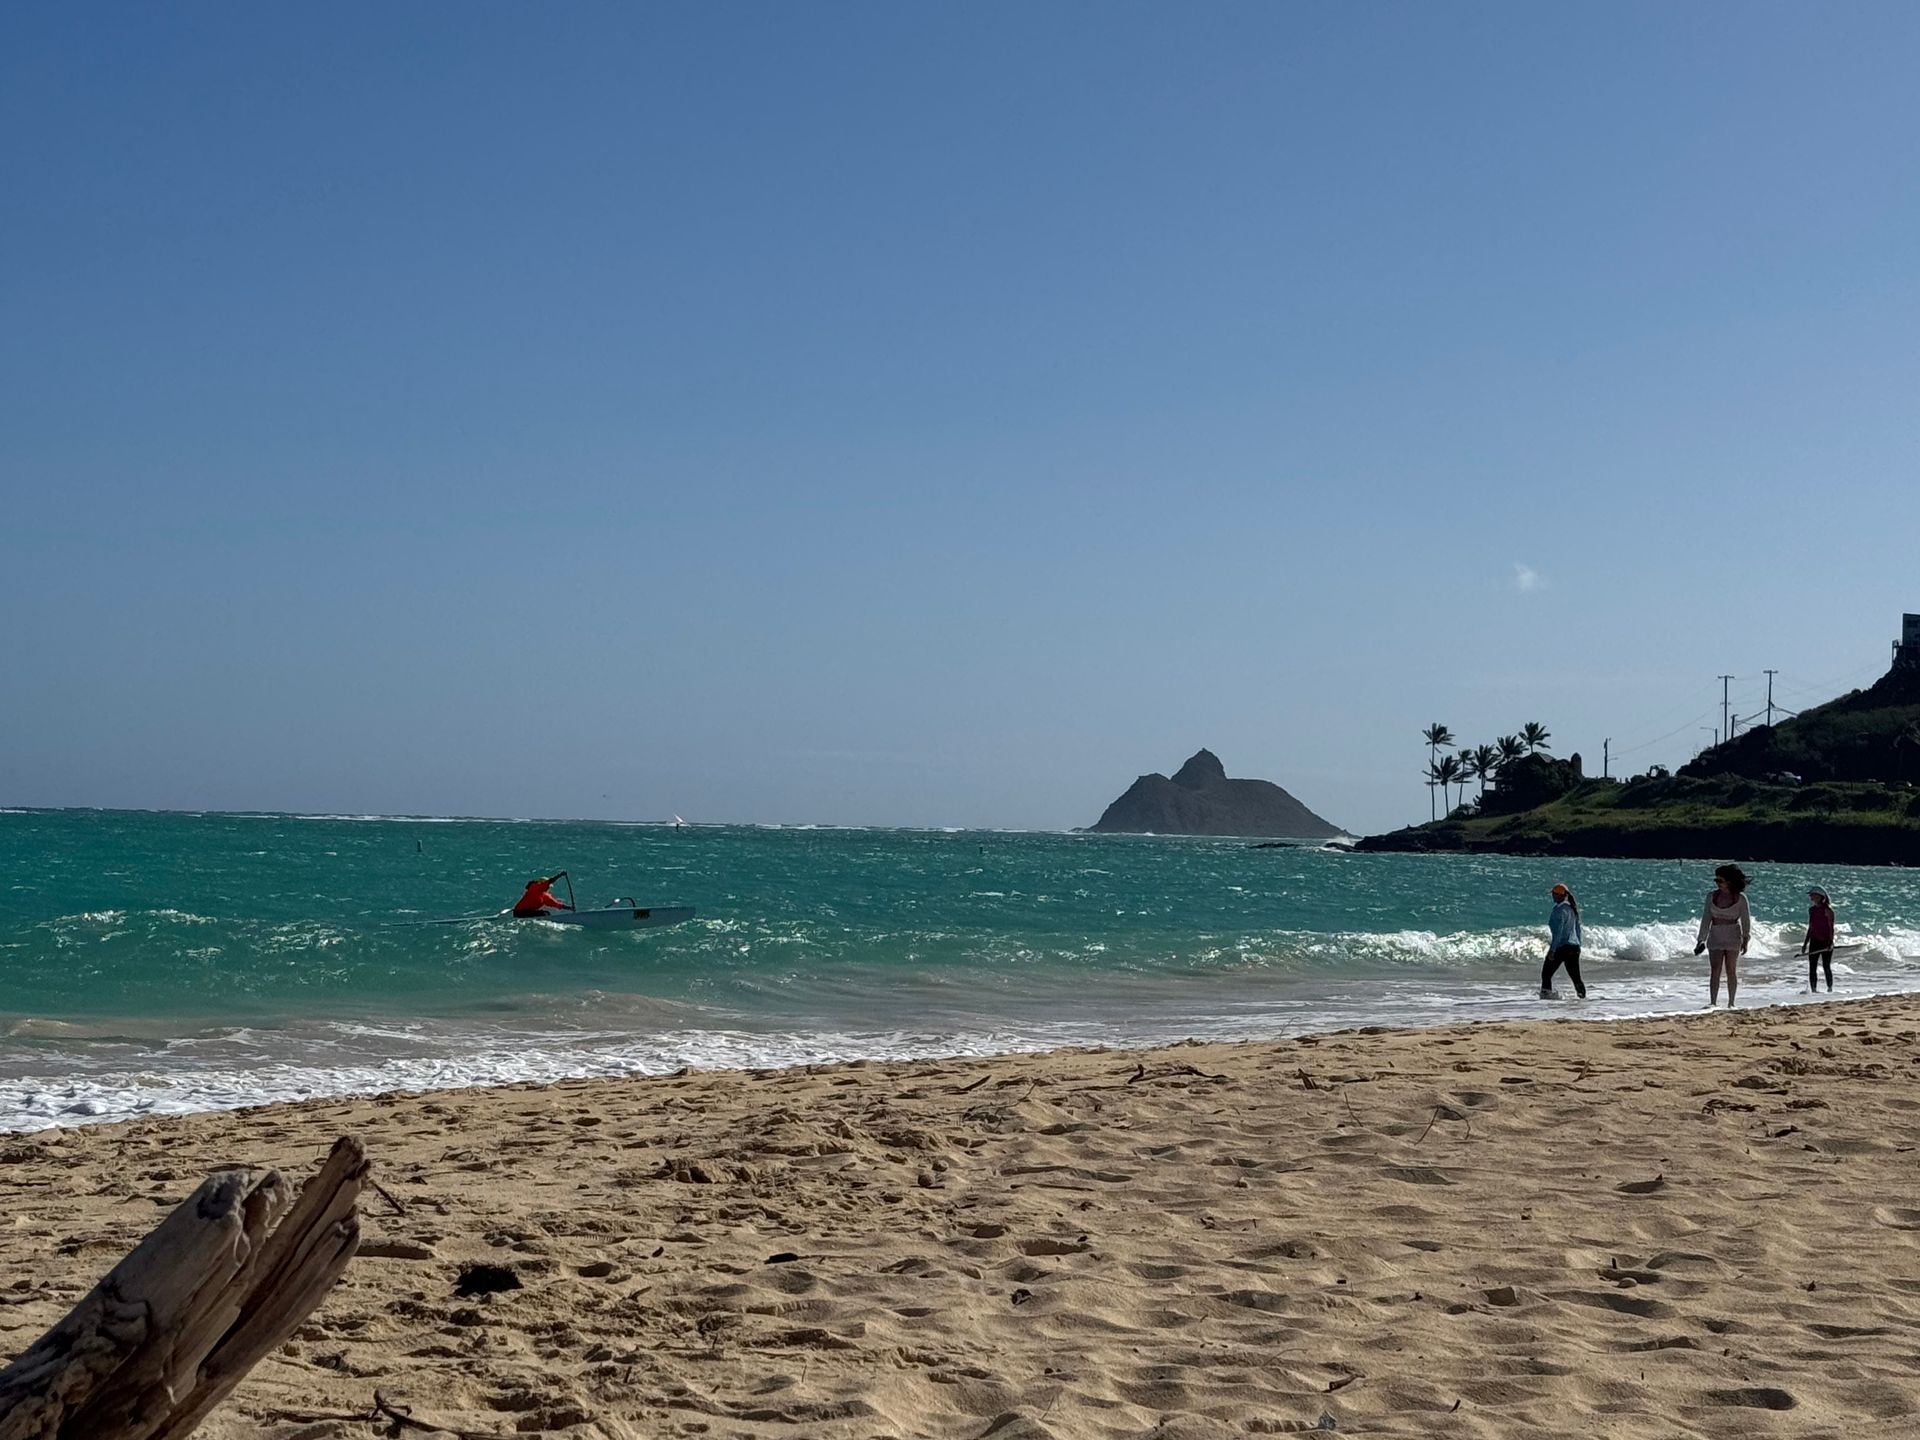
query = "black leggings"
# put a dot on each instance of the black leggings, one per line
(1816, 959)
(1569, 956)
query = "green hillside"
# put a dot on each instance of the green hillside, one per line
(1868, 735)
(1839, 784)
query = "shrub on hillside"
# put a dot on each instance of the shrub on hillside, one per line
(1645, 792)
(1526, 783)
(1825, 798)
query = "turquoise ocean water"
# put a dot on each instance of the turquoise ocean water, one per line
(156, 963)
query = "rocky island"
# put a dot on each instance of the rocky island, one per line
(1201, 800)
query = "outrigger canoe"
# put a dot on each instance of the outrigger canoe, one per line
(622, 914)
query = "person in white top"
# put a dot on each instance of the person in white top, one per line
(1726, 925)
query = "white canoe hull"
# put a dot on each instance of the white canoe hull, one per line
(621, 917)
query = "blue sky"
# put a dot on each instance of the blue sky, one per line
(936, 415)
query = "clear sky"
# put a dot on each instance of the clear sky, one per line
(911, 414)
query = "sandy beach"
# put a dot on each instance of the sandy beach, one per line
(1699, 1226)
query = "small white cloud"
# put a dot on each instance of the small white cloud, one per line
(1526, 579)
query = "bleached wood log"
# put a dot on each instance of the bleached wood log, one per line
(176, 1324)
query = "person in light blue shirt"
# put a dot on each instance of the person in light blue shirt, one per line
(1563, 944)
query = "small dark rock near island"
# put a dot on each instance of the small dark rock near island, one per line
(1201, 800)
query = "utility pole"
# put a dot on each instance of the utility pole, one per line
(1725, 728)
(1606, 748)
(1770, 675)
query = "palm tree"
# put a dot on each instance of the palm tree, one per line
(1511, 748)
(1486, 765)
(1469, 770)
(1446, 773)
(1534, 736)
(1435, 735)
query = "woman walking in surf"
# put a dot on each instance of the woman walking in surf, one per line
(1563, 944)
(1726, 925)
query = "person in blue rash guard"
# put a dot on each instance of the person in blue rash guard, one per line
(1563, 944)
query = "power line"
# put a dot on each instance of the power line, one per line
(1836, 687)
(1687, 724)
(1643, 744)
(1764, 705)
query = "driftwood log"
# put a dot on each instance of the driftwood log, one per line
(174, 1326)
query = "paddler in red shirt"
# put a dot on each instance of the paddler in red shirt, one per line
(538, 899)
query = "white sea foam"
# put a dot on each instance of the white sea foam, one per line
(1653, 942)
(76, 1079)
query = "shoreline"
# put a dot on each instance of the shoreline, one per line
(73, 1100)
(1552, 833)
(1672, 1225)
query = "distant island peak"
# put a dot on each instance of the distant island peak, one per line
(1199, 799)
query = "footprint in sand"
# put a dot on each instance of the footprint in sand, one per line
(1267, 1301)
(1147, 1270)
(1618, 1301)
(1754, 1397)
(1415, 1174)
(1048, 1246)
(1683, 1260)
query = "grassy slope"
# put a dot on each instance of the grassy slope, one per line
(1687, 817)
